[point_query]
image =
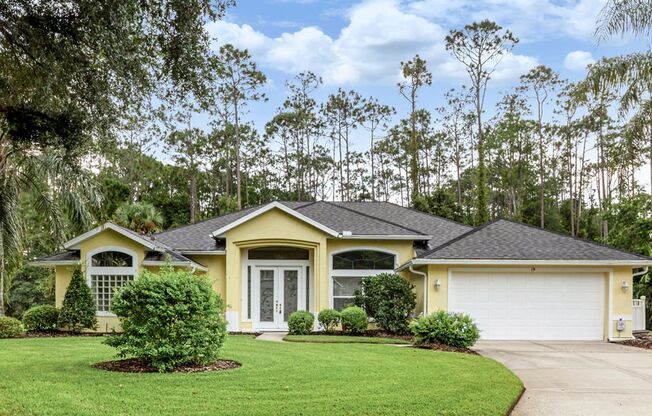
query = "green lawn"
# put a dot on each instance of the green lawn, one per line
(343, 339)
(52, 376)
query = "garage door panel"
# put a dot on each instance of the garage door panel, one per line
(538, 306)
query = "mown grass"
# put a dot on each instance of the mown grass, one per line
(343, 339)
(53, 376)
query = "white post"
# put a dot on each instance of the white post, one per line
(638, 314)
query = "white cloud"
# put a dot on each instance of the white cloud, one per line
(527, 19)
(379, 35)
(578, 60)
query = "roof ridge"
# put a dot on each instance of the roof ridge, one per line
(209, 219)
(585, 240)
(373, 217)
(459, 237)
(410, 209)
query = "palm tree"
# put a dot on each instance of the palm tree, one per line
(141, 217)
(625, 16)
(632, 73)
(61, 193)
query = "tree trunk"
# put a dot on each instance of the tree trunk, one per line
(2, 270)
(414, 147)
(237, 153)
(371, 154)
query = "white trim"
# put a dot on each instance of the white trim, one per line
(268, 207)
(74, 243)
(191, 264)
(524, 262)
(55, 263)
(610, 305)
(202, 253)
(537, 270)
(354, 273)
(124, 271)
(384, 237)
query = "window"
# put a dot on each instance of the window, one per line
(350, 267)
(278, 253)
(108, 270)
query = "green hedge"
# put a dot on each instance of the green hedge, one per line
(329, 319)
(10, 327)
(448, 328)
(354, 320)
(41, 318)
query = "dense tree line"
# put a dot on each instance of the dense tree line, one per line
(551, 153)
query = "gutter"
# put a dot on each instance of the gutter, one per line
(425, 287)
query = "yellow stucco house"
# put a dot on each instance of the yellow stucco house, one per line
(516, 281)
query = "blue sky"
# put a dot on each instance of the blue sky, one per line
(358, 44)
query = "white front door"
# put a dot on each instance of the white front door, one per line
(277, 291)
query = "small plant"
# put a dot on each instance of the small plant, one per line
(329, 319)
(301, 322)
(389, 300)
(354, 320)
(10, 327)
(169, 319)
(448, 328)
(41, 318)
(78, 310)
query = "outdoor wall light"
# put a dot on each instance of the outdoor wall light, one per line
(625, 286)
(437, 284)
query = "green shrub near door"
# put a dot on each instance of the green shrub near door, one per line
(329, 319)
(301, 322)
(354, 320)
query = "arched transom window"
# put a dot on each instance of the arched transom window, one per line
(348, 269)
(108, 270)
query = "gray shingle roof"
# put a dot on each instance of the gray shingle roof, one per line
(361, 218)
(509, 240)
(440, 229)
(68, 255)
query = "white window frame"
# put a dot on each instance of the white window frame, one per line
(354, 273)
(123, 271)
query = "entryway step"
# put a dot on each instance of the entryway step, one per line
(272, 336)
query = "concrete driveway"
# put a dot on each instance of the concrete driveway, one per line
(577, 378)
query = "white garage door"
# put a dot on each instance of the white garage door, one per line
(531, 305)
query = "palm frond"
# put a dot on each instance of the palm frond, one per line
(619, 17)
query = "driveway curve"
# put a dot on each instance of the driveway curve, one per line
(576, 378)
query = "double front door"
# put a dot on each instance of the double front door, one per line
(277, 292)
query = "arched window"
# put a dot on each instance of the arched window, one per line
(108, 269)
(348, 269)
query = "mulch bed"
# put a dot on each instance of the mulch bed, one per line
(643, 342)
(447, 348)
(134, 365)
(373, 333)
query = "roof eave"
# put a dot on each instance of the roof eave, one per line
(384, 237)
(74, 243)
(52, 263)
(525, 262)
(191, 264)
(220, 232)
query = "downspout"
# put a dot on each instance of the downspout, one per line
(425, 287)
(645, 270)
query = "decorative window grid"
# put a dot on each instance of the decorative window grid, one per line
(103, 287)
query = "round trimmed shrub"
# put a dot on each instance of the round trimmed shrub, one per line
(10, 327)
(329, 319)
(301, 322)
(448, 328)
(389, 300)
(354, 320)
(41, 318)
(169, 319)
